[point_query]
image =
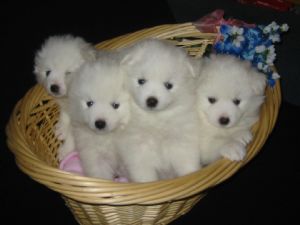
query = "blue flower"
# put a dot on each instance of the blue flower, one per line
(254, 44)
(233, 40)
(236, 35)
(272, 77)
(248, 54)
(254, 36)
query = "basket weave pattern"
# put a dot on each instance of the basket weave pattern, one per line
(95, 201)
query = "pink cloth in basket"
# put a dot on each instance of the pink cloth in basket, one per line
(71, 163)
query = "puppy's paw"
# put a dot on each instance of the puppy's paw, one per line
(62, 128)
(234, 151)
(245, 137)
(66, 147)
(143, 175)
(61, 131)
(62, 151)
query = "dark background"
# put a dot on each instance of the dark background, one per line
(265, 191)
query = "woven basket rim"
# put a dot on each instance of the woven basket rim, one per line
(98, 191)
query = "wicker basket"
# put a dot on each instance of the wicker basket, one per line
(95, 201)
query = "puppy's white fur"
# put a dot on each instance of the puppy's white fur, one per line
(161, 140)
(55, 64)
(229, 94)
(99, 111)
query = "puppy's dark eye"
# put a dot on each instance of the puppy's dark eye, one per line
(115, 105)
(236, 101)
(212, 100)
(168, 85)
(68, 72)
(89, 103)
(141, 81)
(48, 73)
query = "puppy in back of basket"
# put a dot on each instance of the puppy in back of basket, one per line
(99, 112)
(161, 139)
(55, 65)
(230, 93)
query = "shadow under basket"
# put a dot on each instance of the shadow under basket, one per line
(31, 138)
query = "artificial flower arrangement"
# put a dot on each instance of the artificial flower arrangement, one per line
(246, 41)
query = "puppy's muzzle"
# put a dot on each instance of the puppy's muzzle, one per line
(151, 102)
(100, 124)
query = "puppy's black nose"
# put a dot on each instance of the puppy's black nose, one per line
(100, 124)
(54, 88)
(151, 102)
(224, 120)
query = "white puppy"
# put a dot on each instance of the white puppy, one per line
(99, 111)
(161, 139)
(57, 59)
(55, 64)
(229, 94)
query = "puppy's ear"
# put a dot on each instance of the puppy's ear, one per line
(131, 55)
(36, 67)
(195, 66)
(36, 70)
(213, 56)
(257, 81)
(89, 53)
(129, 59)
(126, 59)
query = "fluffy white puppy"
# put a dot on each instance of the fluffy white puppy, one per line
(230, 93)
(99, 111)
(57, 59)
(161, 139)
(54, 67)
